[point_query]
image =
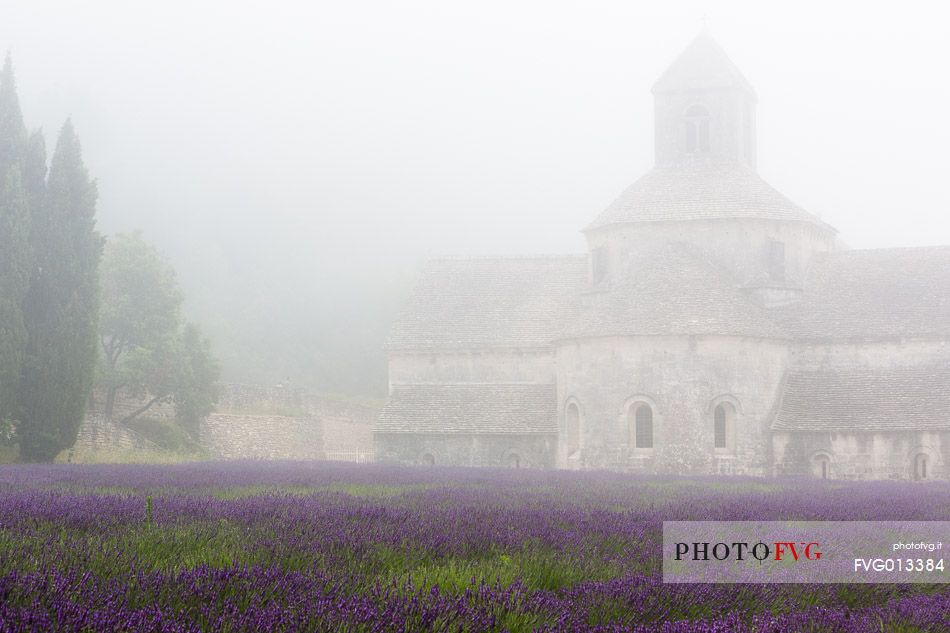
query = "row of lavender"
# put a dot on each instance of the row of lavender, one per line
(328, 547)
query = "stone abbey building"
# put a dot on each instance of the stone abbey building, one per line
(714, 326)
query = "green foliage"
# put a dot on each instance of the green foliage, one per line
(196, 391)
(33, 167)
(15, 255)
(141, 305)
(13, 137)
(148, 511)
(7, 432)
(147, 352)
(15, 260)
(61, 307)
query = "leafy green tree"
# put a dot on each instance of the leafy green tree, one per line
(146, 351)
(61, 307)
(197, 389)
(141, 305)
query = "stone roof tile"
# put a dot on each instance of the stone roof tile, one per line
(703, 191)
(875, 294)
(703, 65)
(908, 398)
(490, 302)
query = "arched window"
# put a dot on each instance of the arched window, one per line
(719, 426)
(697, 129)
(821, 466)
(513, 460)
(920, 466)
(572, 420)
(642, 426)
(427, 459)
(724, 427)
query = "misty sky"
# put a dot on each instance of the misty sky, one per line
(304, 141)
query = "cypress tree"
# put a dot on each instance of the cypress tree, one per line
(12, 131)
(61, 307)
(14, 242)
(14, 282)
(33, 169)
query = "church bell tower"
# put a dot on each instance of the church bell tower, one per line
(704, 109)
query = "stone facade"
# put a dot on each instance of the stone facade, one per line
(714, 327)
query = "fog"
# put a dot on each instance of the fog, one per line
(296, 162)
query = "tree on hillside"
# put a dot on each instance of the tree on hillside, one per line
(147, 352)
(61, 307)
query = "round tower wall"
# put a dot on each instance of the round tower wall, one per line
(682, 379)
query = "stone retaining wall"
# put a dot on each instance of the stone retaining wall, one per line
(253, 422)
(99, 433)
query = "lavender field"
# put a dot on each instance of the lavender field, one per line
(336, 547)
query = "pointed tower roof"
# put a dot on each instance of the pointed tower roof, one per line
(703, 65)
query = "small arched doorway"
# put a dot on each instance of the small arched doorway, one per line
(921, 466)
(821, 466)
(513, 460)
(427, 459)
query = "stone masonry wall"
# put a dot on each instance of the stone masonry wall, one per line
(99, 433)
(252, 422)
(238, 436)
(499, 451)
(280, 422)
